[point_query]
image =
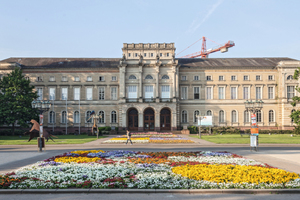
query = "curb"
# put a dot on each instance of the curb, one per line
(179, 191)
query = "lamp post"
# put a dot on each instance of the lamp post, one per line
(199, 123)
(41, 106)
(253, 107)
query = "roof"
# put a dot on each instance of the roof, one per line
(216, 63)
(112, 63)
(31, 63)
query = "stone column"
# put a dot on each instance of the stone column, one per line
(122, 82)
(177, 83)
(157, 121)
(141, 122)
(173, 120)
(157, 84)
(140, 92)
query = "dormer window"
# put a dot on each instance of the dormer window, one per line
(148, 77)
(165, 77)
(132, 77)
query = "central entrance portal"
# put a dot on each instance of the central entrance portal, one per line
(149, 119)
(133, 120)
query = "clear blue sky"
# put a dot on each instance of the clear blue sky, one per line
(95, 28)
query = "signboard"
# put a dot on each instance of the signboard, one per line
(253, 119)
(205, 121)
(253, 141)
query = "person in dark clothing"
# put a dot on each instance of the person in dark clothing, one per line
(128, 137)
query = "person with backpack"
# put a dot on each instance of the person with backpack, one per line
(128, 137)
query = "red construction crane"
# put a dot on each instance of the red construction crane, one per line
(204, 53)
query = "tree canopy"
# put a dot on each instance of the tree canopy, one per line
(16, 95)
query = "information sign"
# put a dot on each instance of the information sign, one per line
(205, 121)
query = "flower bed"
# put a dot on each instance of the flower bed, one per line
(153, 170)
(150, 137)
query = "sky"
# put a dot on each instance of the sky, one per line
(98, 29)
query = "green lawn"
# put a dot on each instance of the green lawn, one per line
(262, 139)
(61, 139)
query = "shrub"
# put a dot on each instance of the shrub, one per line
(193, 129)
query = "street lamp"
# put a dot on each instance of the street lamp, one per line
(199, 123)
(41, 106)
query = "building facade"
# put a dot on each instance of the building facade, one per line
(148, 89)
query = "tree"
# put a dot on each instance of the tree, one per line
(16, 95)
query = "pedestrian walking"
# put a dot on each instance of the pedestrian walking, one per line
(128, 137)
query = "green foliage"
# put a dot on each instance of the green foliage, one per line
(15, 100)
(105, 129)
(193, 129)
(296, 114)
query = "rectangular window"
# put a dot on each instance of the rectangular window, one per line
(184, 93)
(145, 55)
(246, 93)
(64, 93)
(246, 78)
(270, 78)
(221, 93)
(270, 92)
(89, 78)
(40, 93)
(208, 92)
(76, 93)
(196, 78)
(208, 78)
(160, 54)
(233, 92)
(113, 93)
(114, 78)
(165, 91)
(51, 93)
(1, 75)
(151, 54)
(183, 78)
(221, 78)
(290, 92)
(196, 92)
(129, 55)
(132, 91)
(76, 78)
(39, 79)
(258, 93)
(168, 54)
(101, 78)
(233, 78)
(64, 78)
(52, 79)
(101, 93)
(136, 55)
(258, 77)
(149, 91)
(89, 93)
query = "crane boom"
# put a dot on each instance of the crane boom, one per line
(204, 53)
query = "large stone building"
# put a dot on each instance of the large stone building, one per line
(149, 89)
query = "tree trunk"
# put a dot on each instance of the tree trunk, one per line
(13, 129)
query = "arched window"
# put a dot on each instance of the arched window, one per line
(258, 116)
(87, 116)
(165, 77)
(148, 77)
(51, 117)
(64, 117)
(76, 117)
(246, 116)
(184, 116)
(101, 116)
(113, 117)
(195, 115)
(131, 77)
(292, 120)
(209, 113)
(290, 77)
(271, 116)
(221, 116)
(233, 116)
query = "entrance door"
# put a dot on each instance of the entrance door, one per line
(133, 120)
(149, 119)
(165, 119)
